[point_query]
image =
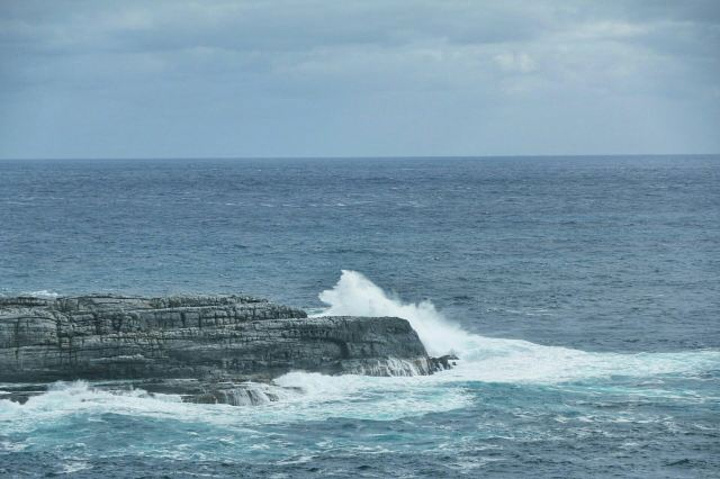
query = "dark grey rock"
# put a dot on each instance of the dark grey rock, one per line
(205, 348)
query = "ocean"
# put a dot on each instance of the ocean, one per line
(581, 294)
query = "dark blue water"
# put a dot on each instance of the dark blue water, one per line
(587, 289)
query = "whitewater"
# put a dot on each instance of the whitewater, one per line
(496, 359)
(313, 396)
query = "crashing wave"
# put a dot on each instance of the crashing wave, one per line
(496, 359)
(393, 367)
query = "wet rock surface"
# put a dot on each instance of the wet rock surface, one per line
(204, 348)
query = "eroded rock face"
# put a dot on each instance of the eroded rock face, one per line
(210, 340)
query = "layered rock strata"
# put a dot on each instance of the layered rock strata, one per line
(206, 348)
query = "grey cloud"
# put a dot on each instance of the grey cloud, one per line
(271, 26)
(442, 75)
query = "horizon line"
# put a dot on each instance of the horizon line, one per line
(356, 157)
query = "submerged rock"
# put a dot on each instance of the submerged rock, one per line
(205, 348)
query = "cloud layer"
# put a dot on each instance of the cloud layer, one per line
(373, 78)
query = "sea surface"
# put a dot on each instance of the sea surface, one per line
(582, 295)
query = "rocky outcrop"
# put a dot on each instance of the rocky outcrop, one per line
(206, 348)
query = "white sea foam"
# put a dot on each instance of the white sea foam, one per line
(501, 360)
(322, 397)
(44, 294)
(313, 396)
(355, 295)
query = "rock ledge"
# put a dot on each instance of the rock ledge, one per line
(205, 348)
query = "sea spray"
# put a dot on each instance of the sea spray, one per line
(505, 393)
(309, 397)
(483, 360)
(496, 359)
(356, 295)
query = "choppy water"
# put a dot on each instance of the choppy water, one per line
(582, 295)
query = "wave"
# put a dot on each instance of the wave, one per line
(314, 396)
(355, 295)
(42, 294)
(322, 397)
(497, 359)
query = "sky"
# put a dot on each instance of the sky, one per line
(218, 78)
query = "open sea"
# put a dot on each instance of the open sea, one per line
(582, 295)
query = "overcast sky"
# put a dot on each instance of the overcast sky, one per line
(176, 78)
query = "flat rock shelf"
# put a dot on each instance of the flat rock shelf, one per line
(210, 349)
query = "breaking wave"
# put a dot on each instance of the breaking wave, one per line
(304, 396)
(307, 397)
(502, 360)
